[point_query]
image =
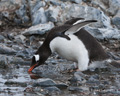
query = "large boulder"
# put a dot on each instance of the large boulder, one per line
(39, 29)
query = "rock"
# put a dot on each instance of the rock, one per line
(87, 12)
(20, 37)
(44, 83)
(61, 86)
(21, 13)
(93, 80)
(38, 29)
(75, 89)
(52, 13)
(39, 17)
(53, 89)
(2, 38)
(5, 60)
(112, 55)
(108, 6)
(78, 78)
(14, 83)
(113, 7)
(116, 22)
(6, 50)
(104, 33)
(37, 6)
(76, 1)
(49, 83)
(17, 47)
(28, 52)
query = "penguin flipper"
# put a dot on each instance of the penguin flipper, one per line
(76, 27)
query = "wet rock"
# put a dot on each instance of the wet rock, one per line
(6, 50)
(116, 22)
(44, 83)
(61, 86)
(49, 83)
(53, 89)
(38, 29)
(13, 83)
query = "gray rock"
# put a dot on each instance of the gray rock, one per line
(5, 60)
(39, 17)
(108, 6)
(78, 78)
(22, 84)
(2, 38)
(52, 13)
(25, 19)
(116, 22)
(38, 29)
(6, 50)
(87, 12)
(75, 89)
(93, 80)
(104, 33)
(21, 12)
(44, 83)
(53, 89)
(114, 6)
(37, 6)
(20, 37)
(61, 86)
(76, 1)
(26, 53)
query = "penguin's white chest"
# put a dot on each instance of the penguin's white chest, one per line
(73, 49)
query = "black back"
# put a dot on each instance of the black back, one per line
(95, 50)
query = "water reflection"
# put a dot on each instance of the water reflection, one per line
(34, 75)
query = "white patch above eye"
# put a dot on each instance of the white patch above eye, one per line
(37, 57)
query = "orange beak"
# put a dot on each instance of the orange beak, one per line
(31, 68)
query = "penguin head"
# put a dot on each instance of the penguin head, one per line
(35, 62)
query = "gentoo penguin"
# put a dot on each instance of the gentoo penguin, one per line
(72, 42)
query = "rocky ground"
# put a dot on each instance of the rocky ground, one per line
(23, 27)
